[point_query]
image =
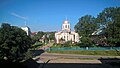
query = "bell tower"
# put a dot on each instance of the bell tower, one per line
(66, 25)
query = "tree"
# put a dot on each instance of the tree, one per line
(85, 27)
(110, 18)
(67, 44)
(38, 36)
(62, 41)
(52, 36)
(86, 42)
(14, 43)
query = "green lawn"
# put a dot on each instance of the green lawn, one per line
(89, 52)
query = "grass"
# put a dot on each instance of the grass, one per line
(37, 45)
(89, 52)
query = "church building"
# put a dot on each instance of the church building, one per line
(27, 30)
(66, 34)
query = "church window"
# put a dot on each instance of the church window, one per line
(68, 26)
(67, 37)
(74, 37)
(65, 26)
(64, 37)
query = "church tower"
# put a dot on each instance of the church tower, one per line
(26, 29)
(66, 26)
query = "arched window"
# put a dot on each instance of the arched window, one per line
(65, 26)
(68, 26)
(67, 37)
(74, 37)
(64, 37)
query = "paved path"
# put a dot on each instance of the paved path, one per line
(70, 58)
(75, 56)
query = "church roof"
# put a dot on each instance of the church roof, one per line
(66, 22)
(65, 31)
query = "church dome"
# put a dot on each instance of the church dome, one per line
(66, 22)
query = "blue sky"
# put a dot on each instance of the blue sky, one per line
(48, 15)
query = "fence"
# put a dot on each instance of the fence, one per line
(85, 48)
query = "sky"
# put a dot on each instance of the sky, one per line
(48, 15)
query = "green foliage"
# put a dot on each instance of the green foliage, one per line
(88, 52)
(28, 55)
(14, 42)
(86, 42)
(67, 44)
(38, 36)
(46, 36)
(110, 18)
(52, 36)
(86, 25)
(37, 45)
(55, 46)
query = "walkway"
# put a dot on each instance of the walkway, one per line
(71, 58)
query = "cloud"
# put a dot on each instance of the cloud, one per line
(17, 15)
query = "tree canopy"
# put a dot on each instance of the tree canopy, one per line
(86, 25)
(110, 18)
(108, 21)
(38, 36)
(14, 42)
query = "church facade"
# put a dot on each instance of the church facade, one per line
(66, 34)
